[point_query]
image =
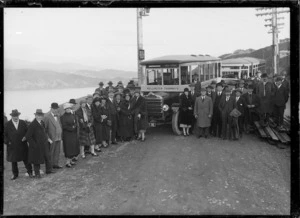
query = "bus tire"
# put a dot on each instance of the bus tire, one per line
(175, 117)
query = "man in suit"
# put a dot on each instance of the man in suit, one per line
(239, 104)
(216, 118)
(251, 107)
(285, 83)
(213, 85)
(101, 90)
(210, 93)
(17, 149)
(256, 80)
(54, 131)
(113, 112)
(109, 87)
(280, 99)
(38, 149)
(265, 91)
(203, 111)
(193, 95)
(225, 107)
(241, 86)
(117, 102)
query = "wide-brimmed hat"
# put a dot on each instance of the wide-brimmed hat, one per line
(242, 81)
(213, 82)
(209, 87)
(203, 89)
(54, 105)
(82, 101)
(39, 112)
(110, 82)
(239, 90)
(219, 84)
(72, 101)
(101, 83)
(15, 113)
(120, 82)
(67, 105)
(264, 75)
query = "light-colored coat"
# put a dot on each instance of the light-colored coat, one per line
(53, 130)
(203, 110)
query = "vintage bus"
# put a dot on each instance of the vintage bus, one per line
(163, 79)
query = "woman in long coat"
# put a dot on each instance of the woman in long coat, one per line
(96, 112)
(126, 120)
(105, 121)
(186, 111)
(139, 110)
(203, 111)
(86, 132)
(69, 134)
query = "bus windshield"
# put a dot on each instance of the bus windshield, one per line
(164, 76)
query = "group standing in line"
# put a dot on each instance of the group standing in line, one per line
(111, 114)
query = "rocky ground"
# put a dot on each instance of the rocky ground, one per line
(166, 174)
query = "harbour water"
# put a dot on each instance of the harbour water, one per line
(28, 101)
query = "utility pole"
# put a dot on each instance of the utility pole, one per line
(275, 26)
(140, 52)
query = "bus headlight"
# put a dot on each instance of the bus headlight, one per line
(165, 107)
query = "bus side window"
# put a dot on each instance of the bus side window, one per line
(185, 75)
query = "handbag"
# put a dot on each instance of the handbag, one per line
(235, 113)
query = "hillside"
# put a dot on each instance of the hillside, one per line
(266, 54)
(28, 79)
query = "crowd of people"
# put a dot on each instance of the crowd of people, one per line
(225, 111)
(111, 114)
(115, 114)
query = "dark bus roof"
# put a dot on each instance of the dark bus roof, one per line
(179, 59)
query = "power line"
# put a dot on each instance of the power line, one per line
(275, 26)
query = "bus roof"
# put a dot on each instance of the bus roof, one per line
(244, 60)
(179, 59)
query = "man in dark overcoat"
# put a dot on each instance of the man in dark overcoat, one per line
(285, 83)
(225, 107)
(101, 90)
(114, 119)
(109, 87)
(256, 80)
(216, 118)
(39, 149)
(193, 95)
(251, 107)
(265, 91)
(117, 102)
(17, 149)
(203, 111)
(280, 99)
(239, 104)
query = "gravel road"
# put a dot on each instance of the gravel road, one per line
(166, 174)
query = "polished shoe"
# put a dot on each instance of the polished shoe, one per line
(14, 177)
(57, 167)
(83, 156)
(68, 165)
(30, 175)
(144, 139)
(114, 143)
(50, 172)
(72, 163)
(97, 149)
(74, 159)
(93, 154)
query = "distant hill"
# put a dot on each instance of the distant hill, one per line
(109, 73)
(237, 52)
(267, 54)
(29, 79)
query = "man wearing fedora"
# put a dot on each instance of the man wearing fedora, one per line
(17, 149)
(114, 117)
(109, 87)
(101, 90)
(38, 147)
(241, 86)
(54, 132)
(73, 103)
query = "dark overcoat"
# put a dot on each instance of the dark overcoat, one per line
(254, 100)
(203, 109)
(225, 108)
(239, 105)
(16, 149)
(126, 120)
(86, 134)
(186, 102)
(38, 142)
(212, 95)
(140, 107)
(102, 92)
(69, 135)
(281, 96)
(266, 105)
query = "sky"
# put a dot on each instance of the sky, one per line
(107, 37)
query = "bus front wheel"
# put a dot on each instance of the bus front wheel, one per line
(175, 123)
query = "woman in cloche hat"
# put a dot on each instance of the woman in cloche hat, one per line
(69, 134)
(186, 110)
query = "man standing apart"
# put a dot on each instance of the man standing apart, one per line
(17, 149)
(54, 132)
(203, 111)
(38, 151)
(216, 119)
